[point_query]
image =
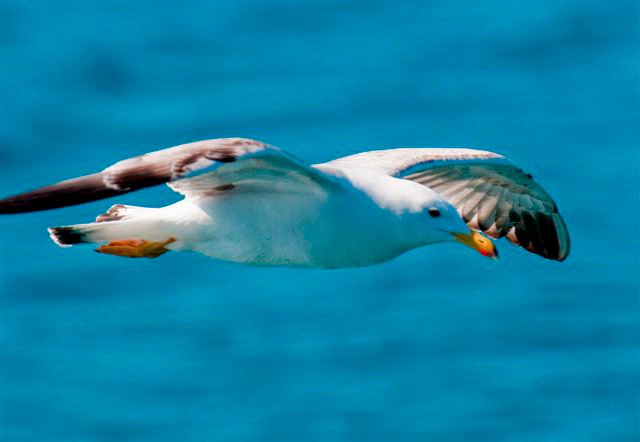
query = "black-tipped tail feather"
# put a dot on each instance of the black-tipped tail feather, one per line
(67, 236)
(118, 223)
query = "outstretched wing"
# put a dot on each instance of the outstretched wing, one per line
(203, 167)
(491, 193)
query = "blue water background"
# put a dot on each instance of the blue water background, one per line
(437, 345)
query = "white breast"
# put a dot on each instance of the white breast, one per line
(334, 229)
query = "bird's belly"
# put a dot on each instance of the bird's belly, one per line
(296, 231)
(296, 251)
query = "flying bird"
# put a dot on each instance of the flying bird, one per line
(249, 202)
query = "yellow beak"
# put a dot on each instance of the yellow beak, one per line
(477, 241)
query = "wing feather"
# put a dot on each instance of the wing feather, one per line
(486, 212)
(491, 193)
(203, 167)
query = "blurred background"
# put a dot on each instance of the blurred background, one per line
(438, 344)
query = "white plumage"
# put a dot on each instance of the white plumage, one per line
(249, 202)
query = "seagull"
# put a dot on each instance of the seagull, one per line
(248, 202)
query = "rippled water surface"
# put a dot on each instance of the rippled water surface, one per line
(439, 344)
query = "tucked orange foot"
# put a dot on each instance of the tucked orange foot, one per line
(135, 248)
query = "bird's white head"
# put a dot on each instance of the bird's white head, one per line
(444, 219)
(438, 221)
(426, 217)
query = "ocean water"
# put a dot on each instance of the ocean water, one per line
(437, 345)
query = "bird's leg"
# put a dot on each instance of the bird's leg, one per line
(135, 248)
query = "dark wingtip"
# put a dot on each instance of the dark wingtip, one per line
(559, 237)
(66, 193)
(563, 254)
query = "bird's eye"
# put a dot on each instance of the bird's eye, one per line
(434, 212)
